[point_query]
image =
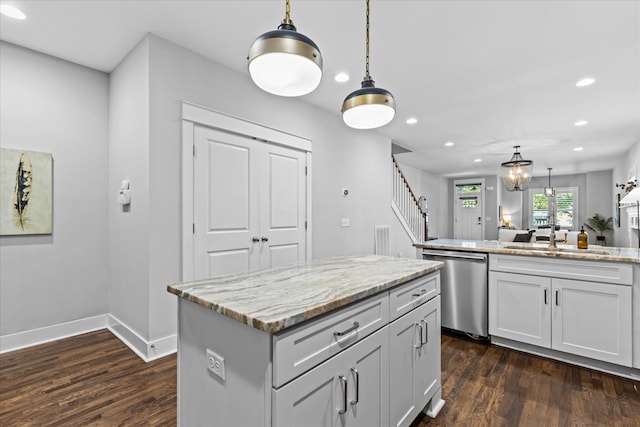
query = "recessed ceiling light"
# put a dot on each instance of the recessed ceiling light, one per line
(449, 144)
(587, 81)
(580, 123)
(341, 77)
(12, 12)
(477, 160)
(412, 121)
(578, 149)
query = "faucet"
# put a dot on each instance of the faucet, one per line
(551, 204)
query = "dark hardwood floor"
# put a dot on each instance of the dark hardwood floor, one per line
(486, 385)
(94, 380)
(87, 380)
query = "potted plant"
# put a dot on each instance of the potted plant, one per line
(599, 224)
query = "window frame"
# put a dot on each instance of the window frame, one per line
(574, 210)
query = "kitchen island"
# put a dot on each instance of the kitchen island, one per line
(579, 306)
(311, 344)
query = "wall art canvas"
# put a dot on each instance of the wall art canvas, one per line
(26, 192)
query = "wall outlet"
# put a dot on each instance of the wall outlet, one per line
(215, 364)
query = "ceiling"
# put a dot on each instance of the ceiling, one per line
(486, 75)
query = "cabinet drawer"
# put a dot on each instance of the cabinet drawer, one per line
(589, 271)
(410, 295)
(298, 350)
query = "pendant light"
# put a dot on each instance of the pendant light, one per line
(549, 191)
(369, 107)
(285, 62)
(516, 173)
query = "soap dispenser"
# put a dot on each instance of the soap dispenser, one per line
(582, 239)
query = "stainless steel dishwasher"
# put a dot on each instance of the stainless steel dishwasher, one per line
(463, 282)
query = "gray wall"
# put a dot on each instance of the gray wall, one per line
(342, 158)
(50, 105)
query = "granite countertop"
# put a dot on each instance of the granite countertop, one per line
(274, 299)
(593, 253)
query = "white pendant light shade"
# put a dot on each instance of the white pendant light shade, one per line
(516, 173)
(369, 107)
(284, 62)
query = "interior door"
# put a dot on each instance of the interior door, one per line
(226, 213)
(249, 204)
(282, 206)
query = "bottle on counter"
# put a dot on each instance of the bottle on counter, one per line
(582, 239)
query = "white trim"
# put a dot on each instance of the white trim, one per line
(192, 115)
(187, 200)
(46, 334)
(403, 222)
(146, 350)
(216, 119)
(576, 205)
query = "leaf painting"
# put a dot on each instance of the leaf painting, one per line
(24, 180)
(26, 192)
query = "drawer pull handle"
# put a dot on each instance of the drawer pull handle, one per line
(419, 334)
(344, 396)
(346, 331)
(422, 292)
(357, 376)
(426, 332)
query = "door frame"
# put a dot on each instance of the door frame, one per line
(482, 207)
(197, 115)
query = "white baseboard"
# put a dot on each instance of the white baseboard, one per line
(46, 334)
(146, 350)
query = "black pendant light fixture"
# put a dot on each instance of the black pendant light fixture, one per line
(369, 107)
(516, 173)
(285, 62)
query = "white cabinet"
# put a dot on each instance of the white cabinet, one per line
(585, 318)
(519, 308)
(415, 360)
(351, 389)
(592, 320)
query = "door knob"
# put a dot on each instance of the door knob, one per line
(255, 239)
(264, 239)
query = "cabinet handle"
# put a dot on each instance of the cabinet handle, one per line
(344, 396)
(557, 297)
(546, 296)
(264, 238)
(422, 292)
(346, 331)
(419, 334)
(357, 377)
(255, 239)
(426, 332)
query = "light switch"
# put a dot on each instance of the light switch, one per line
(345, 222)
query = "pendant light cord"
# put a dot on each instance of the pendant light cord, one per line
(287, 16)
(367, 76)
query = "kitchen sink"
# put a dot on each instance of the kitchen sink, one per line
(559, 250)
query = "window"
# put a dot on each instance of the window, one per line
(566, 207)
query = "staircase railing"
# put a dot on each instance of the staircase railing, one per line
(407, 206)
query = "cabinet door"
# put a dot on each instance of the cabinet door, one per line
(592, 320)
(519, 308)
(414, 359)
(329, 394)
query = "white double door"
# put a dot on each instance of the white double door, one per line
(249, 204)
